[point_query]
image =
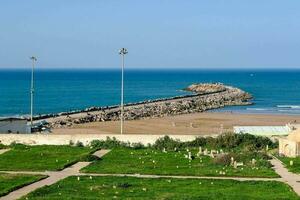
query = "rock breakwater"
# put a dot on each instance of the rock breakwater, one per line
(204, 97)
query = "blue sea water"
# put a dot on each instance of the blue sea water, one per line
(274, 91)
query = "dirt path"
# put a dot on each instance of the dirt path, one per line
(288, 177)
(2, 151)
(53, 178)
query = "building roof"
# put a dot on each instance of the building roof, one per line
(263, 130)
(12, 119)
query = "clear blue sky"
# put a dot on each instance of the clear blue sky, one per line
(157, 33)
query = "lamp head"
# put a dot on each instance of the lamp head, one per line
(33, 58)
(123, 51)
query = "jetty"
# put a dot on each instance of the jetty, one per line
(203, 97)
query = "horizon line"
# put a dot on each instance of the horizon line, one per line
(152, 68)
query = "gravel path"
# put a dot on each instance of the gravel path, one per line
(288, 177)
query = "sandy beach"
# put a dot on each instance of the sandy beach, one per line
(206, 123)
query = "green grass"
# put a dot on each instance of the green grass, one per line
(40, 158)
(127, 161)
(162, 188)
(295, 168)
(11, 182)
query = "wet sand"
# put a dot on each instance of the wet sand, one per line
(207, 123)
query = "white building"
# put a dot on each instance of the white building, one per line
(263, 130)
(290, 146)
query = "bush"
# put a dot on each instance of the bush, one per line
(223, 159)
(108, 143)
(229, 141)
(2, 146)
(18, 145)
(167, 143)
(137, 145)
(79, 144)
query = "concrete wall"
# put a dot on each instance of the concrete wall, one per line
(14, 126)
(48, 139)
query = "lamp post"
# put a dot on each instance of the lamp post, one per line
(122, 52)
(33, 59)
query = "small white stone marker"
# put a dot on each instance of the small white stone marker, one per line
(91, 177)
(253, 161)
(291, 163)
(78, 178)
(190, 155)
(205, 152)
(199, 152)
(234, 164)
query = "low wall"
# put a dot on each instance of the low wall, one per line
(48, 139)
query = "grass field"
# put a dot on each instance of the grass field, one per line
(10, 182)
(40, 158)
(137, 188)
(147, 161)
(296, 164)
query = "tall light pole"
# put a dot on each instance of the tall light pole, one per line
(33, 59)
(122, 52)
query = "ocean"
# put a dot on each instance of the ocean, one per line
(274, 91)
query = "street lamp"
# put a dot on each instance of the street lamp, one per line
(122, 52)
(33, 59)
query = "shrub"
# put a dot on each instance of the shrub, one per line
(108, 143)
(18, 145)
(2, 146)
(223, 159)
(168, 143)
(79, 144)
(137, 145)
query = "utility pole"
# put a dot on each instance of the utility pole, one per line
(33, 59)
(122, 52)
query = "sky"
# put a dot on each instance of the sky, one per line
(157, 33)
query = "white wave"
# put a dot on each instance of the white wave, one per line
(290, 111)
(289, 106)
(257, 109)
